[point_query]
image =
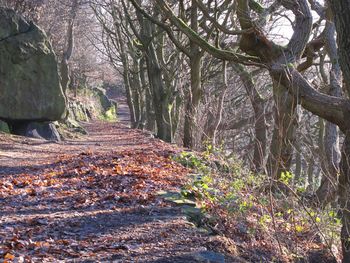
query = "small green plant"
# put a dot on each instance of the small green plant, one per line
(334, 218)
(299, 228)
(286, 177)
(244, 206)
(238, 184)
(190, 160)
(264, 220)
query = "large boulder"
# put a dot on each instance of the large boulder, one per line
(30, 86)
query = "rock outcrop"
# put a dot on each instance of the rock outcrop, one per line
(30, 88)
(39, 130)
(108, 106)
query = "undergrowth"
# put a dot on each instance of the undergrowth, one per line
(267, 226)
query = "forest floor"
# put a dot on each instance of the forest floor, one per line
(95, 199)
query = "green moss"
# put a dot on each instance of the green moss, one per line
(81, 114)
(70, 128)
(78, 111)
(4, 127)
(110, 114)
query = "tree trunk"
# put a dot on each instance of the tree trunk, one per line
(214, 118)
(327, 190)
(310, 175)
(259, 104)
(150, 115)
(143, 87)
(195, 93)
(64, 68)
(298, 163)
(193, 101)
(344, 197)
(281, 149)
(136, 92)
(126, 76)
(160, 96)
(341, 11)
(260, 140)
(160, 100)
(129, 99)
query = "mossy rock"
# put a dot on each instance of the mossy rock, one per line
(77, 111)
(104, 101)
(4, 127)
(74, 126)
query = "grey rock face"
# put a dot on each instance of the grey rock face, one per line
(43, 130)
(39, 130)
(30, 86)
(105, 102)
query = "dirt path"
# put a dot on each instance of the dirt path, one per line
(94, 199)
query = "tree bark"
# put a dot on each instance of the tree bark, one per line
(195, 94)
(310, 175)
(344, 198)
(327, 190)
(160, 94)
(286, 121)
(341, 11)
(64, 68)
(136, 92)
(298, 163)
